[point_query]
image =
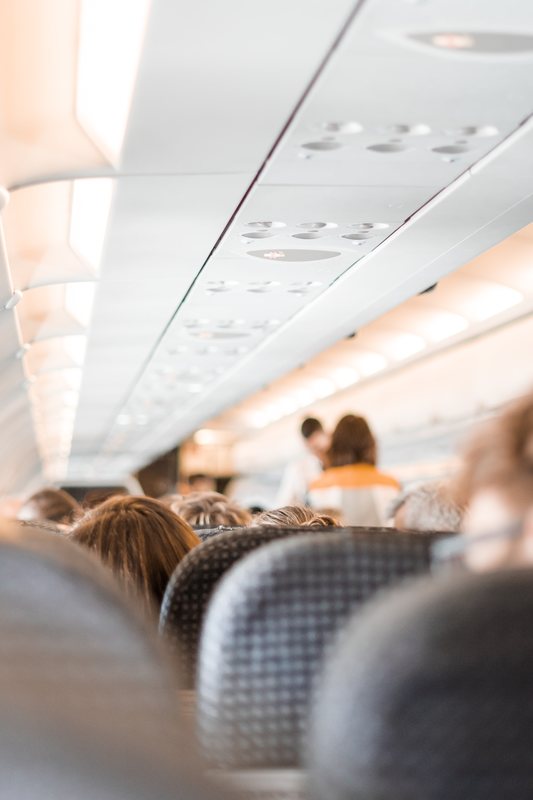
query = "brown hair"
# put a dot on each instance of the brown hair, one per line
(500, 456)
(352, 443)
(52, 505)
(294, 517)
(210, 508)
(140, 540)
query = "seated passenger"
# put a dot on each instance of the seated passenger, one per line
(351, 484)
(294, 517)
(427, 508)
(210, 510)
(140, 540)
(496, 486)
(50, 505)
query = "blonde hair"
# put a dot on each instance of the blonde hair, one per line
(294, 517)
(500, 456)
(210, 509)
(140, 540)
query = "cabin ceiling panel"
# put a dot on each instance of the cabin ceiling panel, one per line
(371, 120)
(208, 95)
(371, 147)
(160, 231)
(434, 242)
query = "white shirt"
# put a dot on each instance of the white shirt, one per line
(297, 477)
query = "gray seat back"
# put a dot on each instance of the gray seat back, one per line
(269, 626)
(87, 693)
(194, 581)
(429, 695)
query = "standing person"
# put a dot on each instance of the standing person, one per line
(300, 473)
(351, 485)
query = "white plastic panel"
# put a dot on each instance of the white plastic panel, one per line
(227, 78)
(431, 244)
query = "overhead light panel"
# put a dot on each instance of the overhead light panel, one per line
(111, 38)
(404, 345)
(79, 299)
(91, 201)
(490, 299)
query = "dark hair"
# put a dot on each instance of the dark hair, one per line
(140, 539)
(294, 517)
(352, 443)
(310, 426)
(52, 505)
(210, 508)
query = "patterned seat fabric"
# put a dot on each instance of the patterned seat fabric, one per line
(429, 695)
(268, 629)
(194, 581)
(87, 692)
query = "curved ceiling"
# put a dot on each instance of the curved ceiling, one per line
(234, 187)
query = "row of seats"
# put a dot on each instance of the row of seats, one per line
(262, 607)
(420, 694)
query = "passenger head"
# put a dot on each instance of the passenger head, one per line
(427, 695)
(427, 508)
(315, 438)
(201, 483)
(140, 540)
(52, 505)
(496, 486)
(294, 517)
(352, 443)
(210, 509)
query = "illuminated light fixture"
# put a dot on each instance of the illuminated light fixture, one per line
(294, 255)
(344, 377)
(371, 363)
(322, 388)
(76, 346)
(274, 412)
(305, 398)
(91, 201)
(208, 436)
(490, 299)
(79, 300)
(444, 324)
(58, 380)
(404, 345)
(288, 405)
(453, 41)
(111, 38)
(259, 420)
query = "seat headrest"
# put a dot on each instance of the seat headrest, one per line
(429, 695)
(87, 693)
(268, 627)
